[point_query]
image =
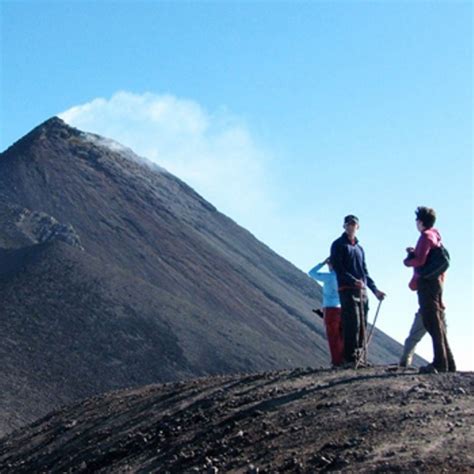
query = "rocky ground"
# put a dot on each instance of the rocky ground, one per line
(305, 420)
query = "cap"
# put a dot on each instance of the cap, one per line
(351, 219)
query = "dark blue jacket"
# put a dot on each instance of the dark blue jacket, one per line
(348, 261)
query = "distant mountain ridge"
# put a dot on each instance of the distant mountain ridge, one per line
(160, 286)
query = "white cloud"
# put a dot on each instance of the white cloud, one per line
(214, 153)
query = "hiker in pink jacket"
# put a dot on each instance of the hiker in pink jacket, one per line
(430, 291)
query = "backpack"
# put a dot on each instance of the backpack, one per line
(436, 263)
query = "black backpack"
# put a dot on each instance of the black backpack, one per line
(436, 263)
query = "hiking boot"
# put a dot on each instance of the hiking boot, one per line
(428, 369)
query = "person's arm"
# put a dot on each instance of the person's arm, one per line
(418, 258)
(370, 283)
(315, 274)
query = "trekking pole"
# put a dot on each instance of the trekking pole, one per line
(363, 351)
(373, 324)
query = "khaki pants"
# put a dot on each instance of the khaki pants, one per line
(416, 334)
(430, 293)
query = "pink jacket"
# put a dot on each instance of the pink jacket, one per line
(429, 239)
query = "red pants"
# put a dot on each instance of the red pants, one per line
(333, 323)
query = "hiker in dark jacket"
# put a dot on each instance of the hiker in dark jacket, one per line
(348, 260)
(430, 291)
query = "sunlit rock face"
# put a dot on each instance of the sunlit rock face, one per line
(35, 227)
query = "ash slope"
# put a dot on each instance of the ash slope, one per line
(155, 284)
(371, 420)
(75, 326)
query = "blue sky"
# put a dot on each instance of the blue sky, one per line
(285, 115)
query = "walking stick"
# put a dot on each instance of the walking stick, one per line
(364, 356)
(373, 324)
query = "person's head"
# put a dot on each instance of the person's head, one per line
(425, 218)
(351, 224)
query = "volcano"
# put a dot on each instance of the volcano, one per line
(114, 273)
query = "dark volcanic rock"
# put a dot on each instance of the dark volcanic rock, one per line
(165, 288)
(268, 422)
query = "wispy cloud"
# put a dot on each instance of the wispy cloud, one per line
(214, 152)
